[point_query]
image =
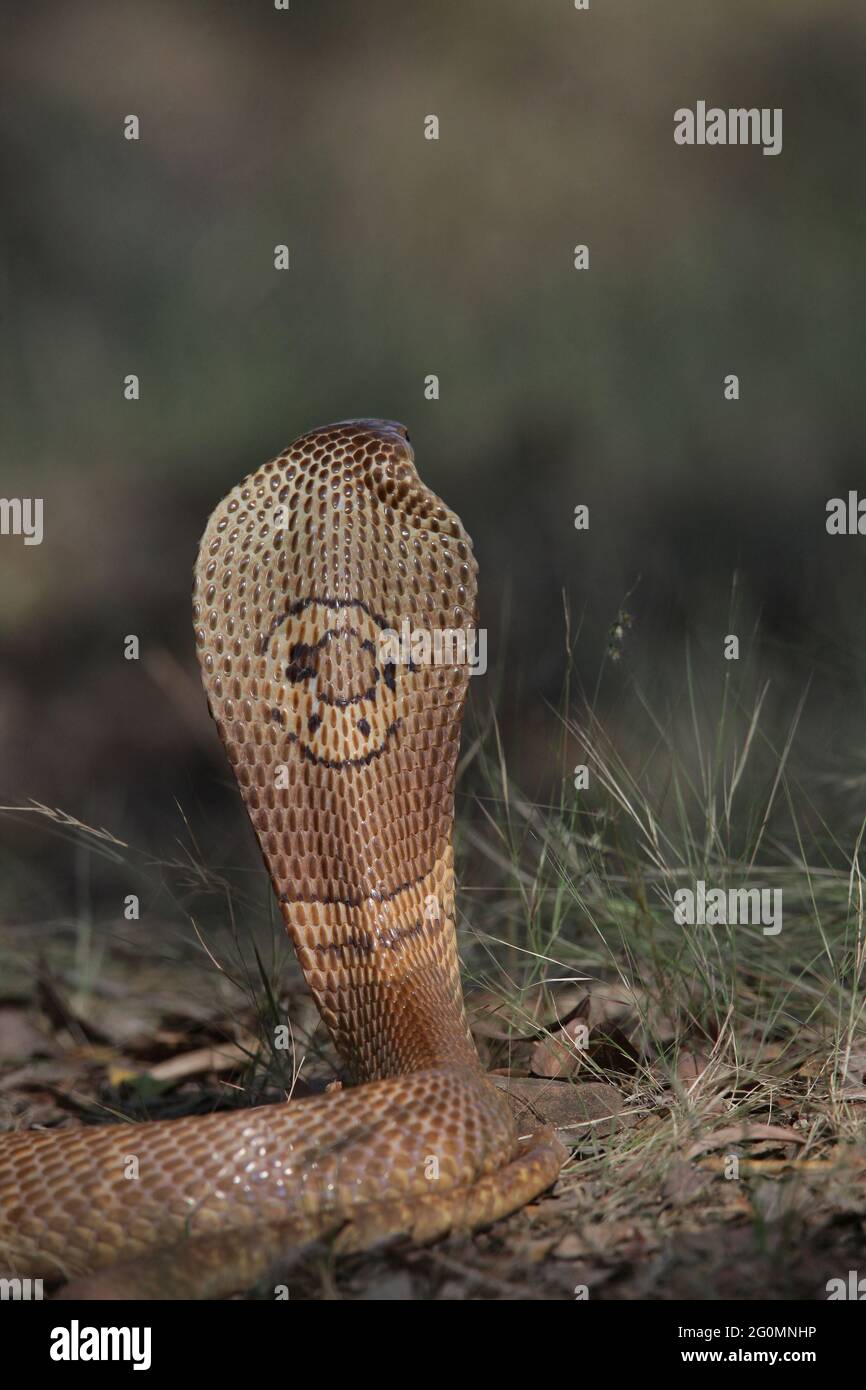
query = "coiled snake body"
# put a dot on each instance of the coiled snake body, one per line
(345, 757)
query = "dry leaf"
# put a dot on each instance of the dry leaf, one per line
(21, 1038)
(575, 1110)
(222, 1057)
(743, 1134)
(691, 1065)
(571, 1247)
(562, 1052)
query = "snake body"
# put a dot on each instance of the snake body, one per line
(345, 753)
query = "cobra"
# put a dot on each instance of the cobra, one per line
(346, 766)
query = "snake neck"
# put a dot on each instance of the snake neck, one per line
(384, 974)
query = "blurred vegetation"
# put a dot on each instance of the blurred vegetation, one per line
(412, 257)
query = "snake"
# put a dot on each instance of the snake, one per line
(322, 583)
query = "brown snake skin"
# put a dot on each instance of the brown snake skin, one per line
(346, 764)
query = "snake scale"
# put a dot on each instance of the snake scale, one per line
(345, 758)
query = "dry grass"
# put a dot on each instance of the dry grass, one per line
(734, 1163)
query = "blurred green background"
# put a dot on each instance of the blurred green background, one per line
(411, 257)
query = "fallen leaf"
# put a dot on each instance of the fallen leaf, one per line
(611, 1050)
(571, 1247)
(21, 1038)
(853, 1074)
(575, 1110)
(743, 1134)
(683, 1182)
(223, 1057)
(691, 1065)
(561, 1053)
